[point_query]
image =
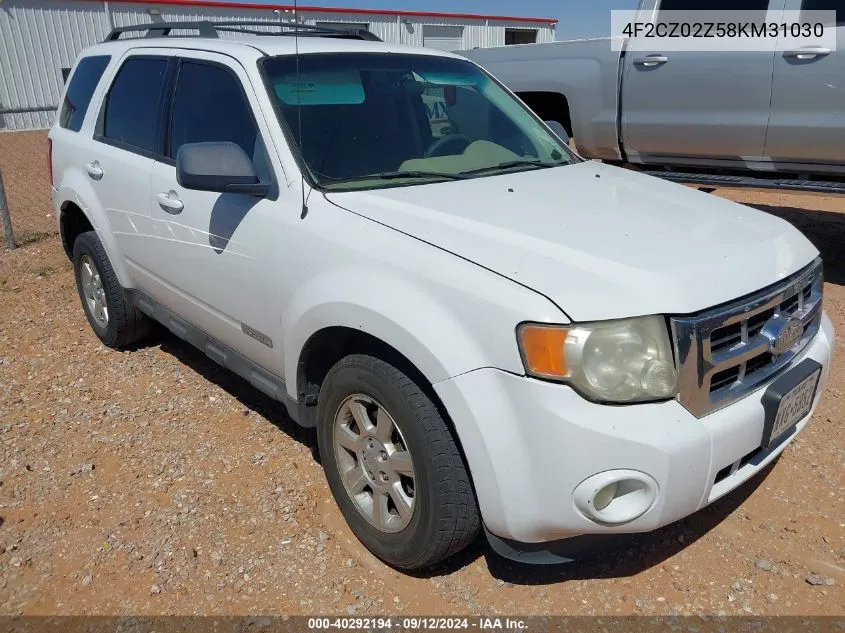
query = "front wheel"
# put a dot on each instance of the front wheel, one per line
(392, 464)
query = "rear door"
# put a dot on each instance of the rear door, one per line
(216, 256)
(698, 103)
(128, 138)
(808, 99)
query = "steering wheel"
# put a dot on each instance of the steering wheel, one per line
(438, 146)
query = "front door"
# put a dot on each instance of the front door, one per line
(216, 255)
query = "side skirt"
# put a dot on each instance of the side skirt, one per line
(263, 380)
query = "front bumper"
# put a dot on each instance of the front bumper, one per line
(529, 444)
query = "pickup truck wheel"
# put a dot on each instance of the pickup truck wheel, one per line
(115, 321)
(392, 465)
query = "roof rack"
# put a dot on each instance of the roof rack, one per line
(206, 28)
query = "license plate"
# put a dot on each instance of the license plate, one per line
(789, 400)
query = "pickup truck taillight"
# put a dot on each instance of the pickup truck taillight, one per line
(50, 161)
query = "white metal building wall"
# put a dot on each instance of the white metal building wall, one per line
(40, 37)
(36, 41)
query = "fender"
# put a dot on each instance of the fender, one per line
(76, 187)
(417, 325)
(389, 308)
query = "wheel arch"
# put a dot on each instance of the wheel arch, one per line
(76, 214)
(327, 346)
(72, 223)
(549, 106)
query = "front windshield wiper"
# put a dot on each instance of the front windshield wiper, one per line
(420, 174)
(394, 175)
(513, 163)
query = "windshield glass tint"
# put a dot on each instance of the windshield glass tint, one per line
(364, 120)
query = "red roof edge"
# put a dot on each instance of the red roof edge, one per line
(254, 5)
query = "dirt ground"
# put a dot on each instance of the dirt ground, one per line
(153, 482)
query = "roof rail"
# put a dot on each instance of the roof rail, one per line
(206, 28)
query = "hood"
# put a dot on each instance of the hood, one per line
(601, 242)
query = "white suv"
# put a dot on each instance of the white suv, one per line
(485, 329)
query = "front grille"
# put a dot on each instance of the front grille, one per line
(724, 353)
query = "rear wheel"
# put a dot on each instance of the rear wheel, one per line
(392, 464)
(114, 319)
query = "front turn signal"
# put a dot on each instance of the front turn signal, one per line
(542, 350)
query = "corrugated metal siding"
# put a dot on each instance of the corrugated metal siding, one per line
(37, 39)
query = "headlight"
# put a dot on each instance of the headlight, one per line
(629, 360)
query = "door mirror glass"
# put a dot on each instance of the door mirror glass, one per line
(219, 166)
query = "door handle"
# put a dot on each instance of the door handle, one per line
(651, 61)
(94, 170)
(811, 52)
(170, 202)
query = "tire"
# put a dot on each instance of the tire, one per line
(444, 515)
(124, 324)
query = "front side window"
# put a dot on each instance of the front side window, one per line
(78, 94)
(209, 105)
(371, 120)
(132, 110)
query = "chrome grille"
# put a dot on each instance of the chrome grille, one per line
(727, 352)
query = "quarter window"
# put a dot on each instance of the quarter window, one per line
(89, 70)
(132, 112)
(210, 106)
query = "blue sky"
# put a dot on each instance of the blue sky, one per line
(578, 18)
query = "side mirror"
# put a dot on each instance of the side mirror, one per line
(559, 131)
(219, 166)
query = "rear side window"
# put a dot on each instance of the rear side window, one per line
(209, 105)
(78, 95)
(131, 114)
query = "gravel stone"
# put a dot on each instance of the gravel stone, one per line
(765, 565)
(82, 468)
(818, 579)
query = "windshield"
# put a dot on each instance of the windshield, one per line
(371, 120)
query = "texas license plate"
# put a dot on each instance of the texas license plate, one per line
(789, 400)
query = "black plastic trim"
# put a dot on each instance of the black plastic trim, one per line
(725, 180)
(260, 378)
(782, 386)
(567, 550)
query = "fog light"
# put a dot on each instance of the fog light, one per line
(615, 497)
(604, 496)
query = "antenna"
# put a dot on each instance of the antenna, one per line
(299, 109)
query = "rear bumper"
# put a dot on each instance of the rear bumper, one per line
(530, 444)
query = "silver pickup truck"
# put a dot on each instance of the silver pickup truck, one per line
(779, 111)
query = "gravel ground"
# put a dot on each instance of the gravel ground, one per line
(152, 482)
